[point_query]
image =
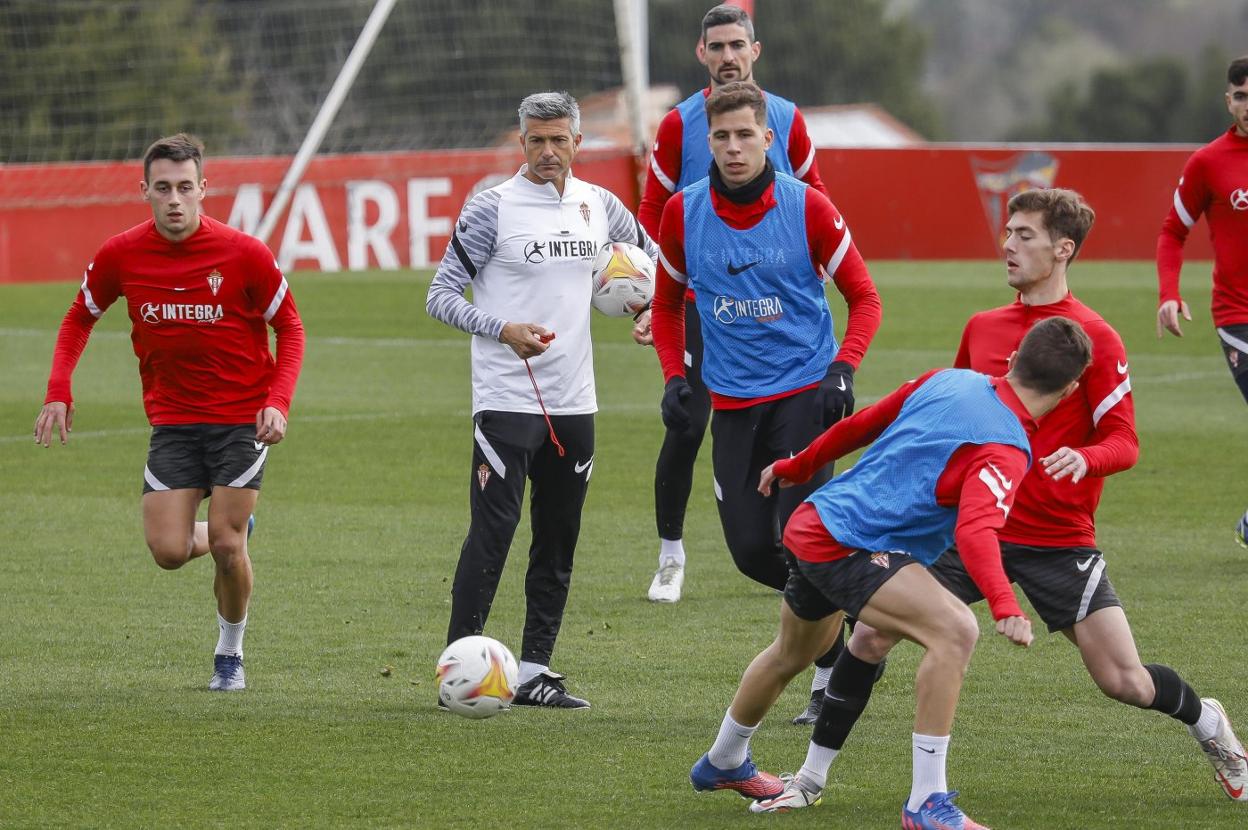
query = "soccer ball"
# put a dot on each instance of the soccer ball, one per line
(477, 677)
(623, 279)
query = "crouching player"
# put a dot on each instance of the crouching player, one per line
(948, 449)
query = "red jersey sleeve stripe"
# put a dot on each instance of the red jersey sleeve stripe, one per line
(675, 274)
(663, 178)
(839, 254)
(277, 301)
(87, 298)
(1181, 209)
(1112, 398)
(805, 168)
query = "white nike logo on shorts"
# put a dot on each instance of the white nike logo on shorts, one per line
(580, 468)
(1083, 566)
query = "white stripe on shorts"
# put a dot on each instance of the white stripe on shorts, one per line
(489, 453)
(1232, 341)
(1094, 579)
(246, 477)
(152, 481)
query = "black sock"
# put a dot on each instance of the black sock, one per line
(828, 658)
(1173, 696)
(844, 700)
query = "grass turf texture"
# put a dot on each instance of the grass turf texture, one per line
(104, 716)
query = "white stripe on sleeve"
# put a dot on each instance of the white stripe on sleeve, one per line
(1180, 209)
(676, 275)
(661, 176)
(1112, 398)
(806, 165)
(841, 250)
(86, 295)
(277, 301)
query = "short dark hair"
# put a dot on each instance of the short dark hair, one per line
(735, 96)
(1066, 214)
(726, 14)
(1237, 72)
(180, 147)
(1055, 351)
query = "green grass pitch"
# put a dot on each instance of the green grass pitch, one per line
(104, 659)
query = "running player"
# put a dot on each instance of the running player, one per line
(199, 295)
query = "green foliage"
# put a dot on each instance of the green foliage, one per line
(105, 721)
(814, 53)
(84, 78)
(1146, 100)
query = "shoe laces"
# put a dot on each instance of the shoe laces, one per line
(667, 573)
(228, 664)
(1223, 757)
(941, 807)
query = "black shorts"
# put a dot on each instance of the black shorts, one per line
(203, 456)
(1234, 340)
(1064, 585)
(818, 589)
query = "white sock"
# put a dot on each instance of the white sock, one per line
(671, 550)
(820, 680)
(732, 744)
(814, 770)
(1207, 725)
(929, 752)
(230, 640)
(528, 671)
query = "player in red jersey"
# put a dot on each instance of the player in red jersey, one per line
(1048, 544)
(199, 295)
(1214, 183)
(681, 156)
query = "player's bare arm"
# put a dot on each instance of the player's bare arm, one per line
(526, 339)
(54, 418)
(1168, 317)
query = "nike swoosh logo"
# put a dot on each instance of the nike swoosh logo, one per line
(1233, 792)
(928, 751)
(1122, 368)
(839, 222)
(733, 270)
(1083, 566)
(842, 386)
(580, 468)
(259, 445)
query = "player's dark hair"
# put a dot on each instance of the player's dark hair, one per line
(1237, 72)
(735, 96)
(1054, 352)
(726, 15)
(180, 147)
(1066, 214)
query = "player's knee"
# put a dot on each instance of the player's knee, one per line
(1133, 687)
(168, 554)
(869, 645)
(228, 548)
(962, 631)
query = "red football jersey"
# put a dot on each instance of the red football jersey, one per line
(199, 310)
(1214, 183)
(1098, 420)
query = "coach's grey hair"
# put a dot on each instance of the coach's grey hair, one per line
(547, 106)
(726, 15)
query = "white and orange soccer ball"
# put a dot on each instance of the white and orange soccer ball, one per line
(477, 677)
(623, 279)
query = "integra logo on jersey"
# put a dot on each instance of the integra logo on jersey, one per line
(761, 309)
(155, 313)
(535, 252)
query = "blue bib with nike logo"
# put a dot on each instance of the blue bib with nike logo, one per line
(695, 151)
(766, 325)
(887, 501)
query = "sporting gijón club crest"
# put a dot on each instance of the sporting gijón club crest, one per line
(214, 281)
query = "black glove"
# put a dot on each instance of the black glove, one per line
(675, 394)
(836, 392)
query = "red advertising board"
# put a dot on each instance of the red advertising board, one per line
(395, 210)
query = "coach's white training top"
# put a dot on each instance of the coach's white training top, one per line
(528, 254)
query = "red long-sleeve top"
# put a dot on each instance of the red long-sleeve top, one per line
(199, 310)
(1215, 184)
(831, 250)
(982, 510)
(664, 170)
(1098, 421)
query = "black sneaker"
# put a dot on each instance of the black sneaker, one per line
(812, 709)
(547, 689)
